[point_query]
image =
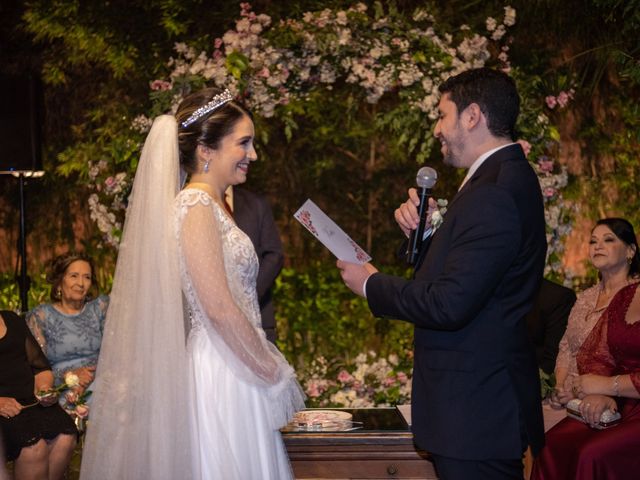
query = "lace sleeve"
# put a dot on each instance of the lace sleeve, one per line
(35, 321)
(204, 262)
(35, 355)
(562, 361)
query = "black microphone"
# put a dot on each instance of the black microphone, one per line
(426, 179)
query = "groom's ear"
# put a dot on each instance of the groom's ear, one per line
(472, 116)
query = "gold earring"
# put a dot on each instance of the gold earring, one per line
(629, 260)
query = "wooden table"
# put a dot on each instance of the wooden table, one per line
(382, 448)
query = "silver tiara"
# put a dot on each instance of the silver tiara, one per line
(216, 102)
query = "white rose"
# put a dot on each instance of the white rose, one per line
(71, 379)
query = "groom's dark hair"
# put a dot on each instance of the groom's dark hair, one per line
(493, 91)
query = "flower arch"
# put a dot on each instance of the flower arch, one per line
(382, 58)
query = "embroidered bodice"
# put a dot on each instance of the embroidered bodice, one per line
(240, 260)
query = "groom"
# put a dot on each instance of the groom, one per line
(476, 396)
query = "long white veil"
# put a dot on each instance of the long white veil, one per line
(139, 426)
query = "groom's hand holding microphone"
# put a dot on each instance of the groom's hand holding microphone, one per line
(412, 216)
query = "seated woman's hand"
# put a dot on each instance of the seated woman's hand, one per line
(560, 397)
(590, 384)
(48, 398)
(85, 375)
(9, 407)
(593, 406)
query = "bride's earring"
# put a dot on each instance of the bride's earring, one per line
(206, 166)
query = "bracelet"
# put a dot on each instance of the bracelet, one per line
(616, 386)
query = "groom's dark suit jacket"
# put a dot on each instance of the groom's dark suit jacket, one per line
(253, 216)
(476, 391)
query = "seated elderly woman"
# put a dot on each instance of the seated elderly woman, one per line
(37, 435)
(609, 381)
(69, 330)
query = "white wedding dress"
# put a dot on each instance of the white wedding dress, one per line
(243, 388)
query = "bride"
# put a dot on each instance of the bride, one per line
(194, 392)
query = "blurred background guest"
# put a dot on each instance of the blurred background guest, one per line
(254, 217)
(609, 367)
(547, 321)
(69, 329)
(613, 251)
(38, 435)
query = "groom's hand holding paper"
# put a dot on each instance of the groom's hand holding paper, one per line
(352, 260)
(330, 234)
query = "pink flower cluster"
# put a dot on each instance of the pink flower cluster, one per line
(75, 404)
(331, 45)
(369, 381)
(561, 100)
(160, 85)
(526, 146)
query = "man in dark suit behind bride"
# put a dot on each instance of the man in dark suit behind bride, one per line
(254, 217)
(476, 395)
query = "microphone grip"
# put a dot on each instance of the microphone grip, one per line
(415, 238)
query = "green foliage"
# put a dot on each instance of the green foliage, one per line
(547, 383)
(10, 294)
(617, 141)
(82, 42)
(319, 317)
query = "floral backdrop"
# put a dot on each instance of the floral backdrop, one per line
(379, 66)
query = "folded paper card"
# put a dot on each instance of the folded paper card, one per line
(330, 234)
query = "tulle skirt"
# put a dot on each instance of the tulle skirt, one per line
(229, 422)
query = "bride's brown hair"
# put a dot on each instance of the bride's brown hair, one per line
(207, 130)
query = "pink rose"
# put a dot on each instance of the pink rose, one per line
(402, 377)
(160, 85)
(344, 376)
(82, 411)
(526, 146)
(387, 382)
(71, 396)
(563, 99)
(546, 165)
(217, 43)
(549, 192)
(551, 101)
(312, 390)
